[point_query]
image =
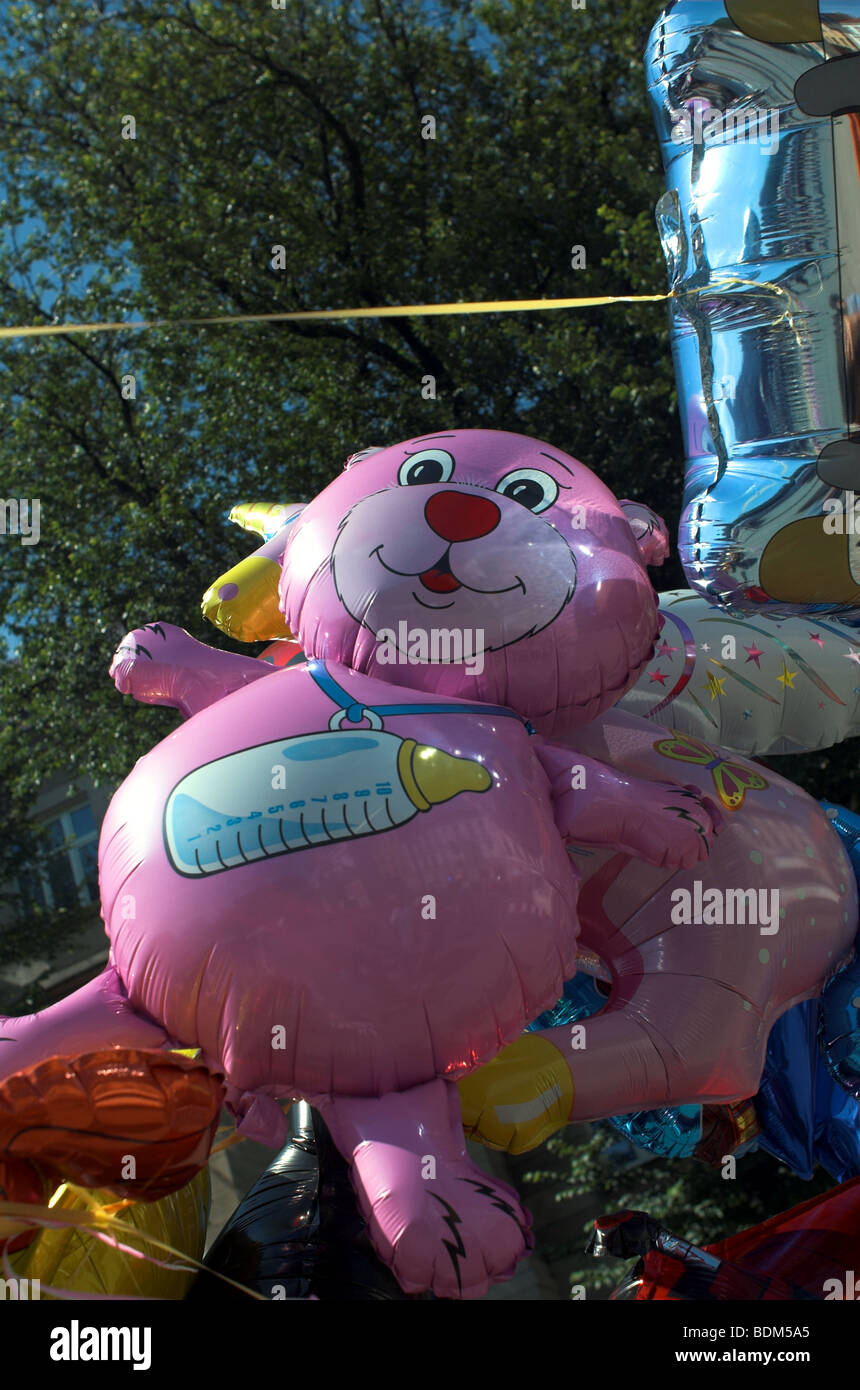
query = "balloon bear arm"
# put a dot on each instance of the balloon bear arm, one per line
(665, 824)
(618, 1042)
(439, 1221)
(546, 1080)
(161, 664)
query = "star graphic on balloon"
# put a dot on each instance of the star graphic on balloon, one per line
(814, 637)
(786, 680)
(853, 656)
(665, 650)
(715, 685)
(754, 654)
(705, 647)
(658, 676)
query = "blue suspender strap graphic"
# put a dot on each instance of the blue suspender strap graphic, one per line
(353, 712)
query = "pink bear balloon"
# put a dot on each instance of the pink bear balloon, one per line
(348, 880)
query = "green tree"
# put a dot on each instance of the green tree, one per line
(690, 1199)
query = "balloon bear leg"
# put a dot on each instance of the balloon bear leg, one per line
(432, 1215)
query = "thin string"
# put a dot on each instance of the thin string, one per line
(387, 311)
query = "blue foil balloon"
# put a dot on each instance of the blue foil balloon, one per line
(786, 1103)
(671, 1133)
(839, 1019)
(582, 997)
(807, 1107)
(847, 826)
(804, 1115)
(839, 1028)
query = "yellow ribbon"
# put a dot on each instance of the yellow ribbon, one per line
(388, 311)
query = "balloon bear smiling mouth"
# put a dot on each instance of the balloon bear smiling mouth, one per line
(440, 578)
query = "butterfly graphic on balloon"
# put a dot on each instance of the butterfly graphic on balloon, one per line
(732, 780)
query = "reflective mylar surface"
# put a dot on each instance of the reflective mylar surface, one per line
(756, 682)
(760, 225)
(297, 1233)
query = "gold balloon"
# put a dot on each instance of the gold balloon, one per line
(71, 1258)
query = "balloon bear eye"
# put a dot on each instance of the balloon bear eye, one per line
(428, 466)
(531, 487)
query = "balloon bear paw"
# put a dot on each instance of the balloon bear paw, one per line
(138, 1122)
(464, 1231)
(146, 656)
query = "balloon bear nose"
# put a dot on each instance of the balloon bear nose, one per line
(457, 516)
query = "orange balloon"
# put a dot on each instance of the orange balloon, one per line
(138, 1122)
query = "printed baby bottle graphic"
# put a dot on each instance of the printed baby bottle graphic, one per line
(336, 785)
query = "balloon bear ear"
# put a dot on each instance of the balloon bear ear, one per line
(650, 530)
(362, 455)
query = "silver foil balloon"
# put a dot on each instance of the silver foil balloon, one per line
(757, 683)
(756, 104)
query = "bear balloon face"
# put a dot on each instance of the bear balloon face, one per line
(475, 563)
(459, 553)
